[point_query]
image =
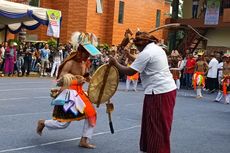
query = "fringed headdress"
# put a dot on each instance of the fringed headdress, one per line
(200, 52)
(87, 40)
(227, 54)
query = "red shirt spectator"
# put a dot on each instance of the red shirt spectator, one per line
(190, 65)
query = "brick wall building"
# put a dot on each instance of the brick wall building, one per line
(81, 15)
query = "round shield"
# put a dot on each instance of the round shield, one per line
(103, 84)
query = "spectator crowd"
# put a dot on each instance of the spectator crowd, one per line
(44, 60)
(184, 67)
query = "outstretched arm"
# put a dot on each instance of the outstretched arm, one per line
(122, 69)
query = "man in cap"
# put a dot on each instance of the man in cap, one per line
(75, 64)
(160, 93)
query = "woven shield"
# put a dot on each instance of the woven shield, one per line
(103, 84)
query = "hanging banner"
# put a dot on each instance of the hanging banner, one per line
(54, 23)
(212, 12)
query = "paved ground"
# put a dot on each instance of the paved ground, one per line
(200, 126)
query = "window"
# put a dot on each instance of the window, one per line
(99, 8)
(158, 18)
(121, 12)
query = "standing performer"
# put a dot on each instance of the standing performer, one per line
(134, 78)
(75, 64)
(176, 68)
(225, 82)
(201, 69)
(160, 93)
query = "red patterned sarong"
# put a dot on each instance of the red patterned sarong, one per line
(156, 122)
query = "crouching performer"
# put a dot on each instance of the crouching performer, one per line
(70, 101)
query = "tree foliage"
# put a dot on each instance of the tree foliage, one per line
(34, 2)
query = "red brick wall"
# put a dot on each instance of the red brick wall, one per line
(101, 24)
(77, 17)
(80, 15)
(138, 14)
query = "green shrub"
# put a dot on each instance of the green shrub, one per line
(52, 42)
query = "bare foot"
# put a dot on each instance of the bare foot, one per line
(40, 126)
(85, 144)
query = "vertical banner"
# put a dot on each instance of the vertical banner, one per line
(54, 23)
(212, 12)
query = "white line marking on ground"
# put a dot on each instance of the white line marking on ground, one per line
(24, 114)
(65, 140)
(22, 89)
(19, 98)
(42, 97)
(23, 98)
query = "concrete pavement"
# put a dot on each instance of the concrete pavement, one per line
(200, 125)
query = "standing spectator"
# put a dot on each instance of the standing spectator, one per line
(178, 67)
(212, 80)
(195, 5)
(10, 59)
(189, 70)
(3, 48)
(27, 60)
(20, 60)
(57, 59)
(1, 52)
(204, 7)
(67, 50)
(96, 62)
(220, 77)
(183, 64)
(35, 59)
(220, 69)
(44, 53)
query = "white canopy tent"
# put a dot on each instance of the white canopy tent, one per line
(14, 16)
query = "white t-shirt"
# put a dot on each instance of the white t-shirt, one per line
(213, 68)
(152, 64)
